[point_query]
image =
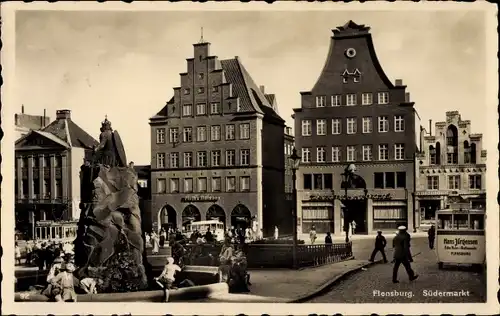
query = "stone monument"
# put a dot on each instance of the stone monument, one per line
(109, 244)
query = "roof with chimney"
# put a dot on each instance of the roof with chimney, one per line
(251, 98)
(64, 132)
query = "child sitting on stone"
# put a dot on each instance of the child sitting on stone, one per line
(167, 277)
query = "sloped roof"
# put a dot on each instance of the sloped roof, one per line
(67, 130)
(52, 138)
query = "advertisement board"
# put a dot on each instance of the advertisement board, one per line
(461, 248)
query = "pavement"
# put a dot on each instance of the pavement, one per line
(374, 285)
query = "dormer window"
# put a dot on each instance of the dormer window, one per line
(187, 91)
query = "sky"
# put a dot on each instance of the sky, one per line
(126, 64)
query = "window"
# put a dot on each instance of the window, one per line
(321, 127)
(399, 123)
(46, 162)
(320, 101)
(390, 180)
(201, 76)
(230, 158)
(245, 157)
(367, 99)
(174, 160)
(306, 128)
(215, 89)
(160, 135)
(452, 157)
(378, 180)
(475, 182)
(335, 154)
(318, 181)
(46, 188)
(306, 154)
(216, 184)
(245, 131)
(59, 189)
(383, 97)
(188, 185)
(230, 132)
(401, 180)
(216, 158)
(320, 154)
(433, 182)
(383, 152)
(174, 185)
(187, 110)
(432, 155)
(201, 109)
(161, 186)
(367, 152)
(307, 181)
(200, 90)
(351, 125)
(399, 151)
(336, 126)
(214, 108)
(201, 133)
(454, 182)
(187, 91)
(188, 160)
(336, 100)
(245, 183)
(351, 99)
(202, 159)
(173, 135)
(215, 133)
(367, 125)
(328, 180)
(160, 160)
(383, 124)
(230, 184)
(187, 135)
(202, 185)
(351, 153)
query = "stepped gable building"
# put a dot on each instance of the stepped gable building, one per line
(217, 149)
(355, 115)
(451, 168)
(47, 178)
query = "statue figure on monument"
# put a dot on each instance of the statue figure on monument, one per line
(111, 236)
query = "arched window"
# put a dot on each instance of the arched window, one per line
(466, 152)
(432, 155)
(473, 153)
(438, 153)
(452, 145)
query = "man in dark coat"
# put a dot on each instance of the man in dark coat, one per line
(380, 244)
(401, 255)
(431, 235)
(408, 237)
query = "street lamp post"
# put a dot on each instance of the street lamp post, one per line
(295, 159)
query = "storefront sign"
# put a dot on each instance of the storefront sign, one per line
(461, 249)
(200, 198)
(331, 198)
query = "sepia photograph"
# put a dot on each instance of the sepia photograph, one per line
(329, 156)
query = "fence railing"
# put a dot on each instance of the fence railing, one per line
(273, 255)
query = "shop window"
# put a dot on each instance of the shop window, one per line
(401, 180)
(444, 221)
(461, 221)
(379, 180)
(476, 221)
(389, 180)
(307, 181)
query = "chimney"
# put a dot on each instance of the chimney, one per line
(399, 82)
(22, 109)
(44, 118)
(63, 114)
(263, 89)
(430, 127)
(407, 97)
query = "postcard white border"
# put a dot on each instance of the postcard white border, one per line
(7, 221)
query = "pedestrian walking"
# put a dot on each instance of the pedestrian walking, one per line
(162, 238)
(432, 236)
(401, 255)
(312, 235)
(380, 244)
(410, 257)
(155, 242)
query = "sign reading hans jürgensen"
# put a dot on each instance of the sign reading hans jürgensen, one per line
(467, 249)
(374, 197)
(200, 198)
